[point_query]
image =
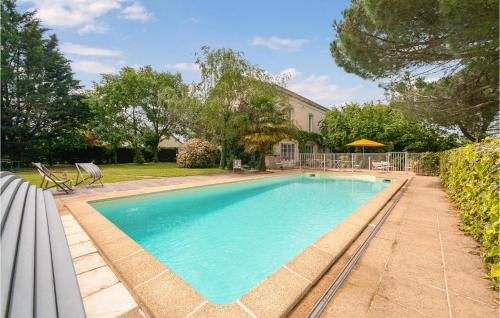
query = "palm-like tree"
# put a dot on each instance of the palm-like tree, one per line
(265, 124)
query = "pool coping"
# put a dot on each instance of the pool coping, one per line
(160, 292)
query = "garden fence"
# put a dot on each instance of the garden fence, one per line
(389, 161)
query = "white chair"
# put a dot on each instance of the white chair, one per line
(381, 165)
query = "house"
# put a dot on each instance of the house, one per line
(307, 116)
(169, 142)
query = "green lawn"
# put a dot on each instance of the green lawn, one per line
(123, 172)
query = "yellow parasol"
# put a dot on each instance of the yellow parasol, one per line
(365, 143)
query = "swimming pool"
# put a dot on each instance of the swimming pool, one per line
(224, 239)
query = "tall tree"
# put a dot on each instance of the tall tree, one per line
(42, 110)
(265, 123)
(123, 95)
(228, 81)
(168, 106)
(149, 105)
(108, 123)
(460, 101)
(409, 41)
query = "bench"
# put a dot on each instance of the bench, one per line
(38, 278)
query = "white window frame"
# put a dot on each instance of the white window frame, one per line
(287, 152)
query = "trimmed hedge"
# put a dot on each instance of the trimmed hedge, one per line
(470, 175)
(167, 154)
(99, 154)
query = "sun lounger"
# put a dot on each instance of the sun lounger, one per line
(93, 172)
(48, 176)
(37, 278)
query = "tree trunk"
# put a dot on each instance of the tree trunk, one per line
(223, 151)
(156, 143)
(138, 155)
(468, 134)
(155, 154)
(223, 155)
(116, 155)
(262, 165)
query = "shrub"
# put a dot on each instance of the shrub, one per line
(196, 153)
(470, 175)
(139, 158)
(430, 163)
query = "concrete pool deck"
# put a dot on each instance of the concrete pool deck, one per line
(297, 276)
(160, 292)
(420, 264)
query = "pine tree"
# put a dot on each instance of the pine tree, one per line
(411, 43)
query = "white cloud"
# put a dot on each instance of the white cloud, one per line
(187, 67)
(93, 67)
(276, 43)
(83, 15)
(323, 90)
(194, 19)
(92, 28)
(80, 14)
(289, 73)
(78, 49)
(136, 11)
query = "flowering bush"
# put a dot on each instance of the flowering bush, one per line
(471, 177)
(196, 153)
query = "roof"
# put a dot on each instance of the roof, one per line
(171, 137)
(304, 99)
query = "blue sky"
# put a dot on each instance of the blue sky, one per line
(100, 36)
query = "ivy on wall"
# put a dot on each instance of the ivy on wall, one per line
(303, 137)
(471, 177)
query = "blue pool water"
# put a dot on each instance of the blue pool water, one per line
(223, 240)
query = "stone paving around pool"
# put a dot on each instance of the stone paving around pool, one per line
(103, 294)
(420, 264)
(147, 183)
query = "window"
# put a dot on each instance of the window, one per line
(309, 148)
(287, 152)
(290, 115)
(310, 122)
